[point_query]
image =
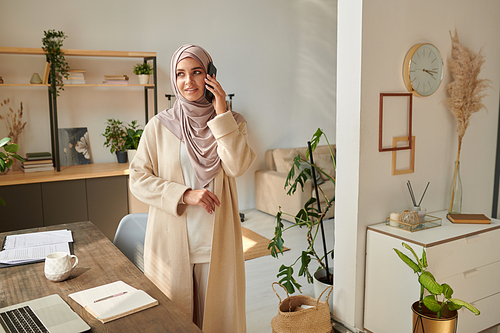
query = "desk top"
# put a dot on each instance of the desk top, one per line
(99, 262)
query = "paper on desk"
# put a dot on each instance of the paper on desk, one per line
(26, 254)
(37, 239)
(88, 296)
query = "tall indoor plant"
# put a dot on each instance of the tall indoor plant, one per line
(309, 217)
(466, 92)
(52, 43)
(444, 309)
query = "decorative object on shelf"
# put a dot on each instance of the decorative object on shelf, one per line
(116, 137)
(75, 76)
(134, 134)
(394, 219)
(411, 168)
(416, 224)
(444, 310)
(74, 146)
(14, 123)
(52, 43)
(409, 110)
(423, 69)
(7, 158)
(35, 79)
(301, 313)
(412, 195)
(308, 216)
(466, 92)
(115, 79)
(469, 218)
(143, 71)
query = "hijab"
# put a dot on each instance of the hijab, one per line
(188, 120)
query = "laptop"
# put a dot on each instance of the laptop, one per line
(47, 314)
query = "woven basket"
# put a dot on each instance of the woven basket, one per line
(291, 318)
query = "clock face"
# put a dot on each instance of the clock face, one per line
(423, 69)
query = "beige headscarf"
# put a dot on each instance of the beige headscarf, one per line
(188, 120)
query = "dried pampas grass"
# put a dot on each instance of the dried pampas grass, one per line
(13, 121)
(466, 91)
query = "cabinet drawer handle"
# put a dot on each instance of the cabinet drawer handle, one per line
(472, 239)
(470, 273)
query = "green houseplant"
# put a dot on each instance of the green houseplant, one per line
(6, 158)
(116, 138)
(437, 291)
(52, 43)
(143, 68)
(133, 135)
(308, 217)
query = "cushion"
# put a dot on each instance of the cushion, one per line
(283, 157)
(325, 163)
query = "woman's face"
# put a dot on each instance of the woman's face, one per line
(190, 78)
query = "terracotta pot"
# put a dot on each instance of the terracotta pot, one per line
(427, 322)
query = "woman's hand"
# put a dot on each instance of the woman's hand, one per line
(215, 88)
(203, 198)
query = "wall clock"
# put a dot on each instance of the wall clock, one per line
(423, 69)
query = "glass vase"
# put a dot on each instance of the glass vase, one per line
(456, 191)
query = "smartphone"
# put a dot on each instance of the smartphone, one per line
(210, 71)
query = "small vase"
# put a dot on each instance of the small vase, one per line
(456, 191)
(121, 156)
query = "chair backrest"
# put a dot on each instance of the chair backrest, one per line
(129, 237)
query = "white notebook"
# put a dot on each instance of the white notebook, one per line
(114, 300)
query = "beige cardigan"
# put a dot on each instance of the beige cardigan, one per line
(156, 178)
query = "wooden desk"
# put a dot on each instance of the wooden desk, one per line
(100, 262)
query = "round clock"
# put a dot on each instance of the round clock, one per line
(423, 69)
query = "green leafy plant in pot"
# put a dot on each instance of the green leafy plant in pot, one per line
(116, 138)
(143, 71)
(309, 217)
(134, 134)
(52, 43)
(6, 158)
(444, 308)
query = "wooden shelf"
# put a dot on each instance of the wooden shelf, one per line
(78, 53)
(67, 173)
(77, 85)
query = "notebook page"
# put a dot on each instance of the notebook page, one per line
(27, 254)
(88, 296)
(38, 239)
(117, 307)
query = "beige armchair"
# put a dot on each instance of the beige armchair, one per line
(269, 182)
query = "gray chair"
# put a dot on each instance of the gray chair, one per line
(129, 237)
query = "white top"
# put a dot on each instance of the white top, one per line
(200, 224)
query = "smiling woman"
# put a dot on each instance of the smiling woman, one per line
(190, 78)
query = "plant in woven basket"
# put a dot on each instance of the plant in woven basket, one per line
(52, 43)
(308, 217)
(428, 282)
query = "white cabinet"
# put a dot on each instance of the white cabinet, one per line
(466, 256)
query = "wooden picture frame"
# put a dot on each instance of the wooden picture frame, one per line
(381, 118)
(395, 141)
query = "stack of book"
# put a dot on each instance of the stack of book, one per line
(115, 79)
(40, 161)
(75, 76)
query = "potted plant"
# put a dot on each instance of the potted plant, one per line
(308, 217)
(52, 43)
(429, 311)
(6, 159)
(143, 71)
(132, 140)
(116, 137)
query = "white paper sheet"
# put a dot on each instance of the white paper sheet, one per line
(37, 239)
(26, 254)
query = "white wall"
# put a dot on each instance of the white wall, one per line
(389, 29)
(277, 57)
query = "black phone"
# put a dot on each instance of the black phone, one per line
(210, 71)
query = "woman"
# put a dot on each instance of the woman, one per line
(184, 169)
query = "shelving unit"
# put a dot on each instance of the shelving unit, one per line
(146, 56)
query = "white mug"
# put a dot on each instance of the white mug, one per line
(58, 266)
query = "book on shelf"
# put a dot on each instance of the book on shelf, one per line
(115, 82)
(116, 77)
(468, 218)
(113, 300)
(43, 154)
(37, 162)
(48, 167)
(46, 73)
(71, 70)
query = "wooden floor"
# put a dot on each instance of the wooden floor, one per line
(262, 303)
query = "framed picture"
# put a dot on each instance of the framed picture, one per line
(74, 146)
(395, 120)
(411, 165)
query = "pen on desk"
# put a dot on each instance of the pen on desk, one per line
(111, 296)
